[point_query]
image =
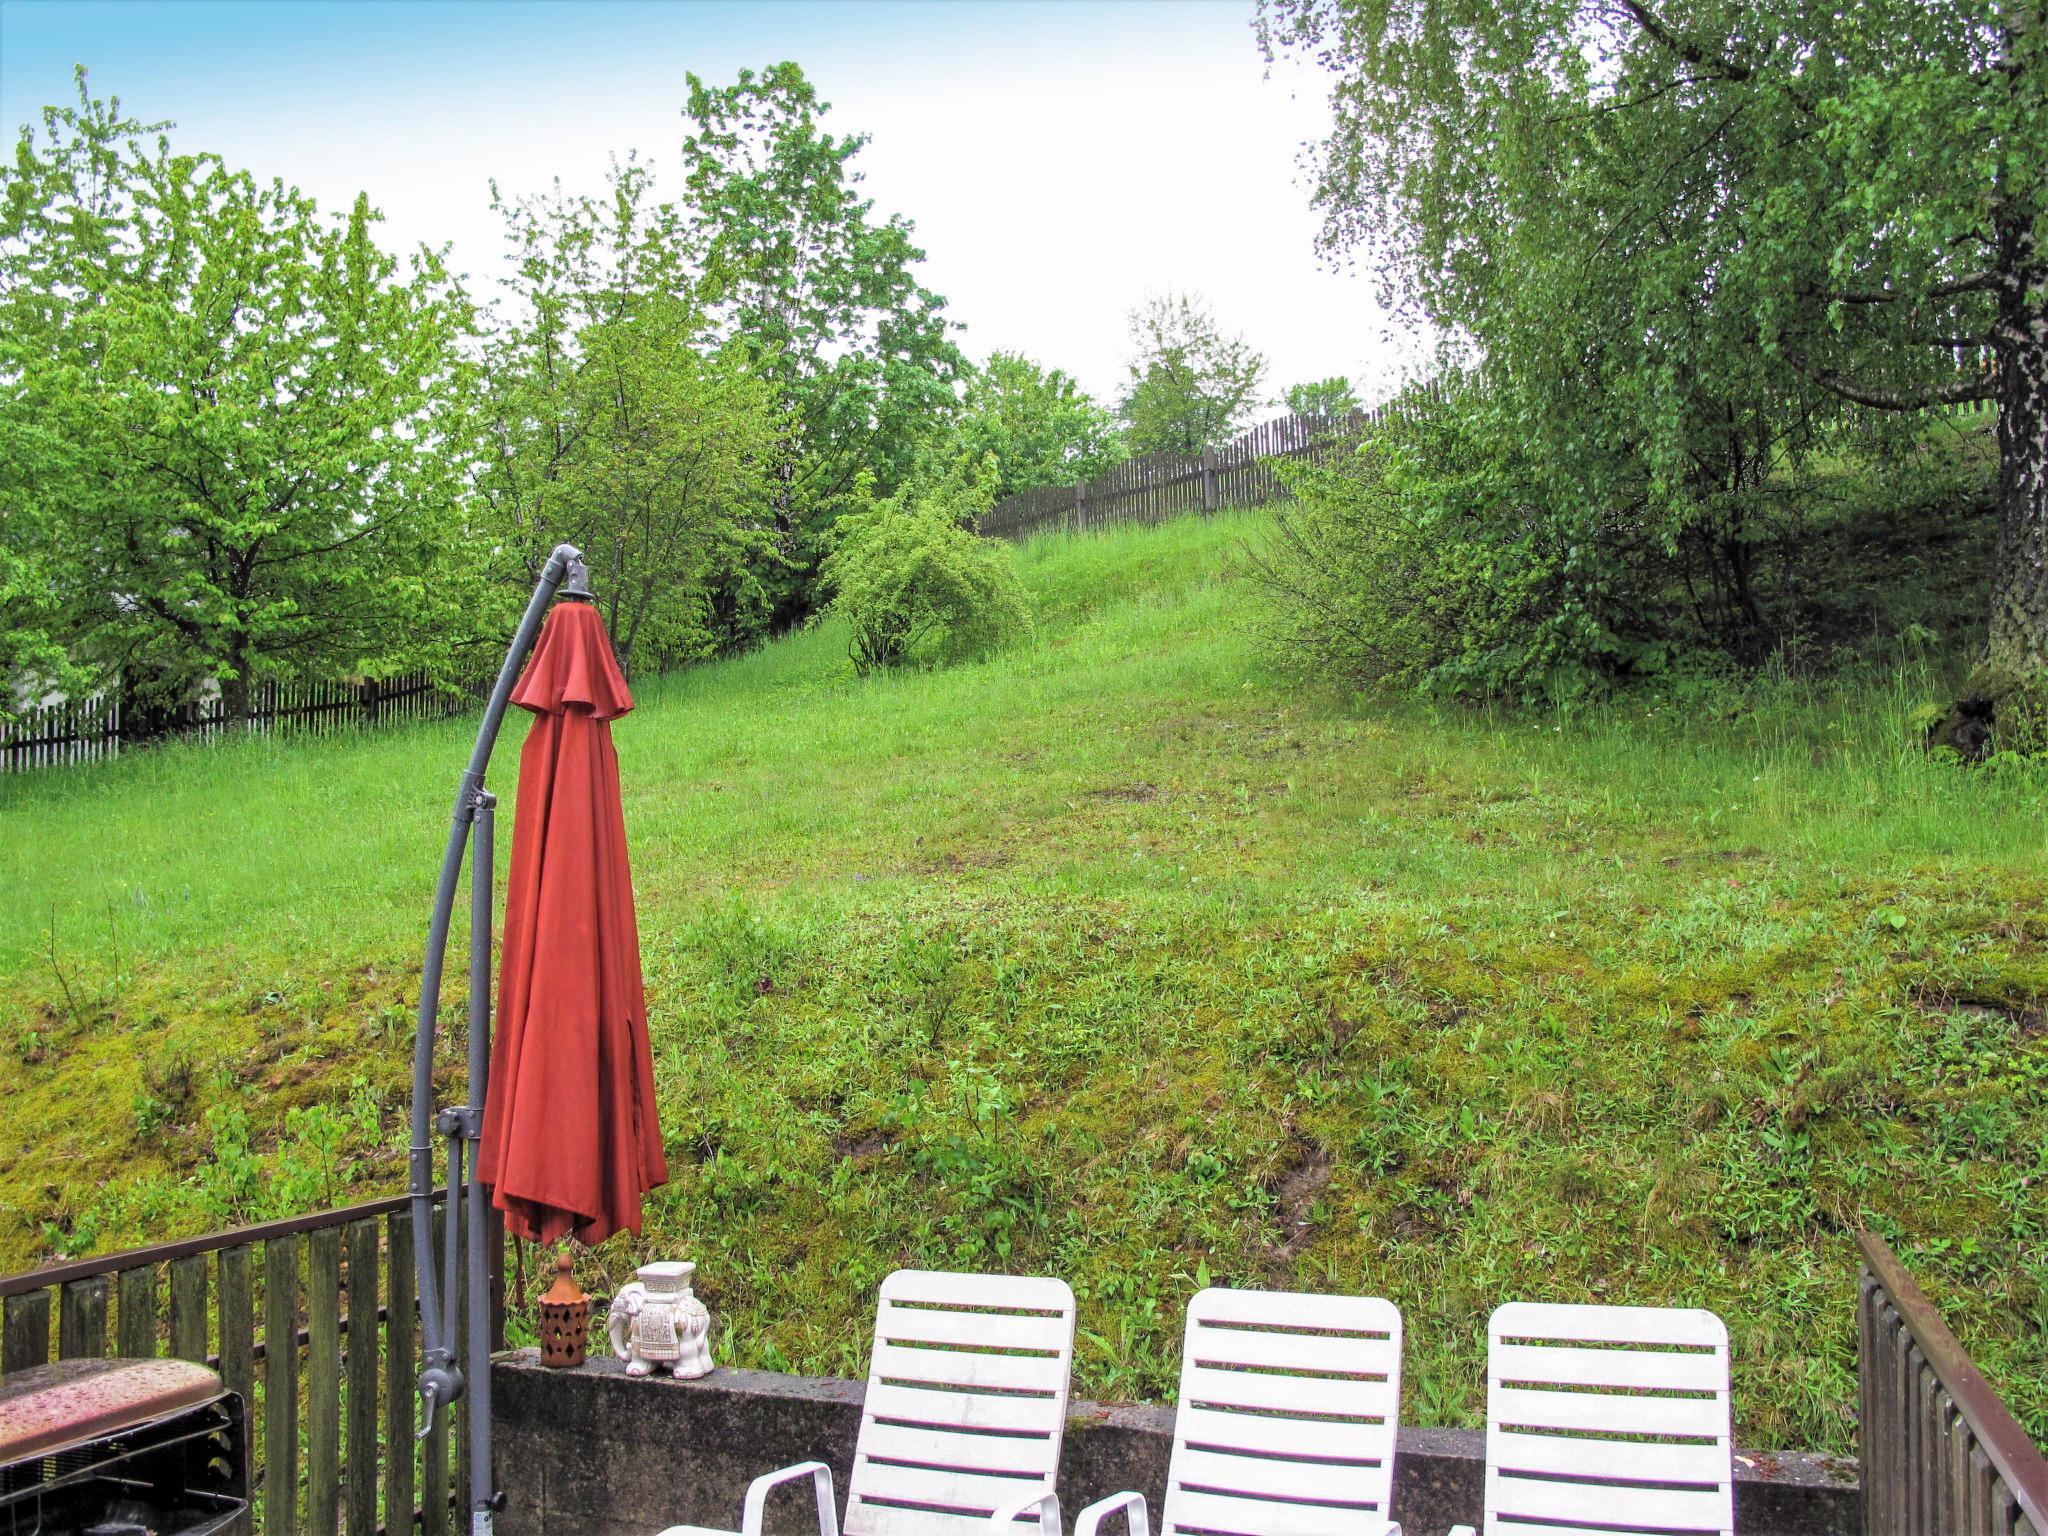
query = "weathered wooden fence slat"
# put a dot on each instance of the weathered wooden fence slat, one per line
(434, 1489)
(1940, 1452)
(82, 1319)
(399, 1370)
(135, 1311)
(323, 1382)
(360, 1499)
(24, 1331)
(281, 1385)
(461, 1414)
(238, 1344)
(188, 1308)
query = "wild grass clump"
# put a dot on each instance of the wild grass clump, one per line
(1118, 955)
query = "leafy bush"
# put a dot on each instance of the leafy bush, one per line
(1422, 561)
(1451, 554)
(914, 582)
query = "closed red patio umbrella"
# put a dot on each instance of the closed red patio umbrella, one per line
(571, 1139)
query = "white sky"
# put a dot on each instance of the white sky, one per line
(1061, 160)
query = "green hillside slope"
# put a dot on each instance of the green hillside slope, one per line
(1122, 958)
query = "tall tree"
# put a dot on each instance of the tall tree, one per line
(613, 420)
(1690, 237)
(223, 418)
(1322, 397)
(822, 295)
(1041, 427)
(1191, 384)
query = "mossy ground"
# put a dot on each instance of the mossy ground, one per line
(1121, 957)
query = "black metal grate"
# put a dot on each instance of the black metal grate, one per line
(177, 1476)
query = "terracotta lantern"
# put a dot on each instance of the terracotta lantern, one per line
(564, 1319)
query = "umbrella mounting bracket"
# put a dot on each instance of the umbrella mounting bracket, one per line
(463, 1120)
(443, 1380)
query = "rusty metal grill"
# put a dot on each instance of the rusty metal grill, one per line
(182, 1475)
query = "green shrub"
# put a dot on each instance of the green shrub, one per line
(1422, 561)
(914, 582)
(1450, 555)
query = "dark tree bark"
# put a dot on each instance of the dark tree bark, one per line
(234, 694)
(2006, 700)
(2018, 646)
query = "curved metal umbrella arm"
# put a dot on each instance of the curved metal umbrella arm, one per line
(441, 1382)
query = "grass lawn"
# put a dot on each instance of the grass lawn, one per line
(1123, 958)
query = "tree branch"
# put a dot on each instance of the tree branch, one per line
(1692, 53)
(1622, 104)
(1960, 392)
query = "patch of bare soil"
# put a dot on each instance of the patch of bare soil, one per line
(2026, 1013)
(1716, 855)
(863, 1149)
(1139, 793)
(1295, 1186)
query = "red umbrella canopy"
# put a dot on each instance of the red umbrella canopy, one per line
(571, 1138)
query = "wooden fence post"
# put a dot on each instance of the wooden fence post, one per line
(1080, 505)
(1209, 497)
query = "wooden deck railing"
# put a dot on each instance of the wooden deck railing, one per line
(327, 1374)
(1940, 1452)
(332, 1421)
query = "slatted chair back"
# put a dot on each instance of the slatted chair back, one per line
(1289, 1406)
(966, 1402)
(1607, 1419)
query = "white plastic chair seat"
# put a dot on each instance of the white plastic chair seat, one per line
(1289, 1408)
(1602, 1418)
(966, 1407)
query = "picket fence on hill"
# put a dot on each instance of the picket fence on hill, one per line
(1242, 473)
(1156, 486)
(90, 729)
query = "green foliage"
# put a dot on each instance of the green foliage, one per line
(238, 440)
(1422, 561)
(1322, 397)
(33, 655)
(1433, 559)
(612, 422)
(1699, 245)
(913, 582)
(1038, 424)
(226, 443)
(1191, 385)
(823, 299)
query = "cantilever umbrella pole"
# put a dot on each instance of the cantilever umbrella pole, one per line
(442, 1381)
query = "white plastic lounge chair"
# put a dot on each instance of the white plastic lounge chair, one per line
(1606, 1419)
(1289, 1406)
(966, 1405)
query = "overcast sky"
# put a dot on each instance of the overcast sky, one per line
(1061, 159)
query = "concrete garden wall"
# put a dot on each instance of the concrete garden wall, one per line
(592, 1452)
